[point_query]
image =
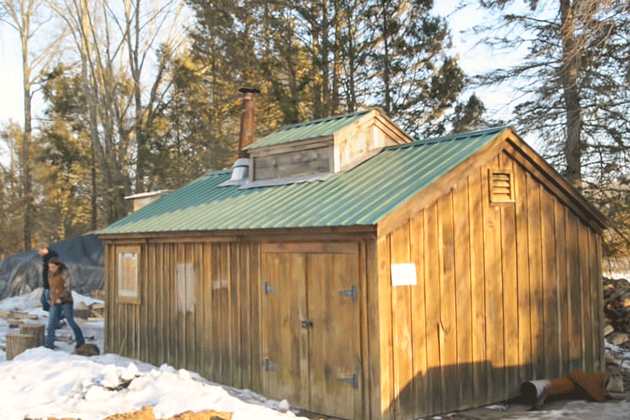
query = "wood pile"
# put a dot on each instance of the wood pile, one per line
(617, 328)
(95, 312)
(17, 318)
(617, 310)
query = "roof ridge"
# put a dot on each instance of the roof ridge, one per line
(324, 119)
(457, 136)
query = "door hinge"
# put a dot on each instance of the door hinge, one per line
(269, 366)
(351, 293)
(268, 288)
(352, 380)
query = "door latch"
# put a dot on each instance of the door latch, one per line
(307, 324)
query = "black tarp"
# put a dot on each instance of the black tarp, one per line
(84, 256)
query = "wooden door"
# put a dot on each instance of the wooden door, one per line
(333, 307)
(285, 376)
(311, 329)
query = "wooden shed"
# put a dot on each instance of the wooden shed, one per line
(362, 275)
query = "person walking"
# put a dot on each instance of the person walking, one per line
(60, 302)
(46, 253)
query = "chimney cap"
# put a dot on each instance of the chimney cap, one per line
(248, 90)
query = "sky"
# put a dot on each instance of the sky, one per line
(41, 383)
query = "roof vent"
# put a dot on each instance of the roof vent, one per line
(240, 170)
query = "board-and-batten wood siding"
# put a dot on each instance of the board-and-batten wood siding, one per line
(506, 292)
(219, 337)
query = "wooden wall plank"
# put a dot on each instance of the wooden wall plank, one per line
(595, 304)
(463, 294)
(432, 304)
(199, 329)
(374, 334)
(236, 325)
(418, 299)
(256, 317)
(160, 314)
(208, 308)
(364, 378)
(564, 310)
(171, 313)
(510, 286)
(402, 329)
(550, 286)
(522, 275)
(494, 294)
(573, 276)
(217, 320)
(110, 286)
(600, 360)
(151, 305)
(386, 394)
(536, 277)
(223, 289)
(245, 361)
(179, 336)
(448, 312)
(585, 278)
(477, 278)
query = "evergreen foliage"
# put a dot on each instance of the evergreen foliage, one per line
(574, 87)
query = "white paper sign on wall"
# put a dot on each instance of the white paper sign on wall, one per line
(404, 274)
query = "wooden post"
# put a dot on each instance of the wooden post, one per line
(37, 330)
(17, 343)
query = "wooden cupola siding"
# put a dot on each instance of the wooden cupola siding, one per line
(329, 153)
(487, 276)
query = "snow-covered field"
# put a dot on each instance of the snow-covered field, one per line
(42, 383)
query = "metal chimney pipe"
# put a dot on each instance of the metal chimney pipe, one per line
(248, 121)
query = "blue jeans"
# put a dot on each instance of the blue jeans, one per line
(44, 299)
(66, 310)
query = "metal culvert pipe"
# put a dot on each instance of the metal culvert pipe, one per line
(578, 385)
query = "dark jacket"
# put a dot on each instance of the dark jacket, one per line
(46, 258)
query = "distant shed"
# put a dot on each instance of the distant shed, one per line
(390, 279)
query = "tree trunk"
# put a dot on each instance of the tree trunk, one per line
(569, 78)
(26, 145)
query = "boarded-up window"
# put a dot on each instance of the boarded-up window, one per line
(501, 186)
(186, 279)
(293, 164)
(128, 273)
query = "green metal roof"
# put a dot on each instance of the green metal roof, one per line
(360, 196)
(309, 130)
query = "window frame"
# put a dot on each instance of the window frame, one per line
(128, 294)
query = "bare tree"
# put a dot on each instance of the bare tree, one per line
(116, 44)
(28, 18)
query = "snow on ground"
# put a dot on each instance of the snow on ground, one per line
(42, 383)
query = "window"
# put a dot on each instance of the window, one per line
(501, 186)
(185, 277)
(128, 290)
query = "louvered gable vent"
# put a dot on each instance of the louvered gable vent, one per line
(501, 186)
